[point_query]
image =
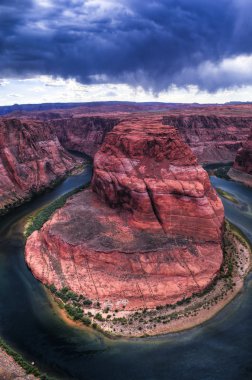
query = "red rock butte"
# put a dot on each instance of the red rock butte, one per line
(148, 233)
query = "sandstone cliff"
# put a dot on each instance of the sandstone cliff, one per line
(31, 158)
(148, 234)
(242, 168)
(214, 133)
(213, 138)
(83, 134)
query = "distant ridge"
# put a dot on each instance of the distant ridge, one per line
(120, 105)
(4, 110)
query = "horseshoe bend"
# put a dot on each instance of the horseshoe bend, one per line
(149, 231)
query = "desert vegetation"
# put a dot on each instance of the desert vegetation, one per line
(36, 221)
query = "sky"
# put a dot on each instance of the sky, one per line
(134, 50)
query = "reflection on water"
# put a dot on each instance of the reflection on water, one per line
(219, 349)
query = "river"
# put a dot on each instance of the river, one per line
(219, 349)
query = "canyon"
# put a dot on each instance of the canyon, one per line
(147, 182)
(35, 144)
(215, 133)
(148, 233)
(213, 138)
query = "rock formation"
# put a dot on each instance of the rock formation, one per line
(214, 132)
(148, 233)
(83, 134)
(242, 168)
(31, 158)
(212, 138)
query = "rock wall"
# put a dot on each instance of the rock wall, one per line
(213, 138)
(243, 160)
(214, 133)
(83, 134)
(242, 168)
(31, 158)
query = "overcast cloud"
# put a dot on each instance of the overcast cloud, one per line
(152, 44)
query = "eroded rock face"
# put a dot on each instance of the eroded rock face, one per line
(83, 134)
(242, 168)
(148, 234)
(243, 161)
(212, 138)
(148, 170)
(213, 132)
(31, 158)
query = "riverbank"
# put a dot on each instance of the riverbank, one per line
(9, 369)
(14, 366)
(186, 314)
(36, 220)
(227, 195)
(78, 168)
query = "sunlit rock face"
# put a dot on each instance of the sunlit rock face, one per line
(149, 231)
(31, 158)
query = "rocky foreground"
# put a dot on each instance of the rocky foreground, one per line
(242, 168)
(31, 159)
(148, 233)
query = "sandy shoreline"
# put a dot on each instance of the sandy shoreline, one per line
(9, 369)
(169, 320)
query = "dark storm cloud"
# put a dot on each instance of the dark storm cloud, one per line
(149, 43)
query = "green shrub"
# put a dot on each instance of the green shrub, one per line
(98, 316)
(86, 321)
(52, 288)
(87, 302)
(75, 312)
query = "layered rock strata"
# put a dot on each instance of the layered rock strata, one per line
(242, 168)
(83, 134)
(148, 233)
(212, 138)
(214, 133)
(31, 158)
